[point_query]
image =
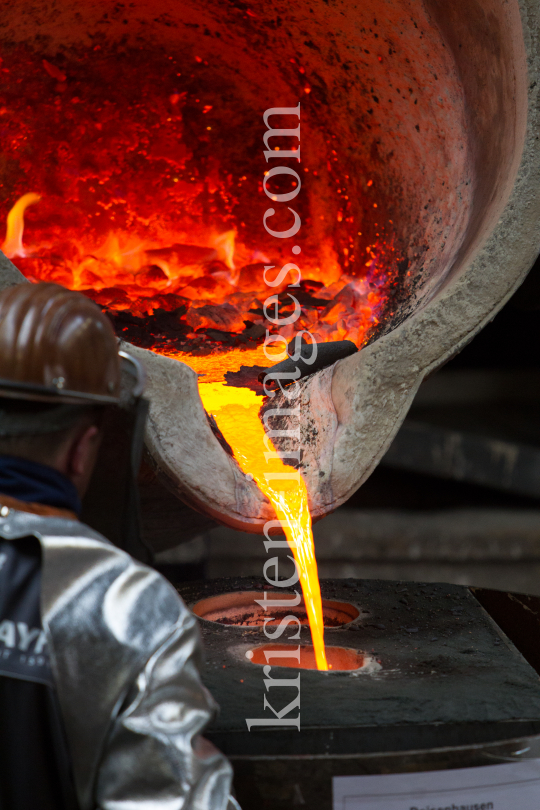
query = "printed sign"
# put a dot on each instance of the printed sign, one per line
(495, 787)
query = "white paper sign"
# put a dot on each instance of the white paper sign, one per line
(515, 786)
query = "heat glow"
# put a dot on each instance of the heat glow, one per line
(125, 273)
(141, 200)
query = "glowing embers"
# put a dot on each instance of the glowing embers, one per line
(146, 207)
(242, 609)
(339, 659)
(205, 288)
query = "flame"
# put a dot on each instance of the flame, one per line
(224, 244)
(231, 408)
(13, 245)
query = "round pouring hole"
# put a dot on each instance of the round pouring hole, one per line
(339, 659)
(241, 609)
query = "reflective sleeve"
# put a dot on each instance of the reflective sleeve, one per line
(154, 756)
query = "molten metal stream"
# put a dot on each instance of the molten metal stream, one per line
(236, 411)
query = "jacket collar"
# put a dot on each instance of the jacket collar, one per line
(7, 502)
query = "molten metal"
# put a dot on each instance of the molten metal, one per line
(236, 411)
(339, 658)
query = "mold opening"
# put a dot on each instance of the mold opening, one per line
(340, 659)
(242, 610)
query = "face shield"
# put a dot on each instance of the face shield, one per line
(111, 503)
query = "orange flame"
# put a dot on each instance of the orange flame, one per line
(13, 245)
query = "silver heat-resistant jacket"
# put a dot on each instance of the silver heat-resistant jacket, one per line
(125, 654)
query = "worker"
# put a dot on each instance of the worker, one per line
(101, 702)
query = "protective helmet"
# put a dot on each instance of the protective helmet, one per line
(56, 346)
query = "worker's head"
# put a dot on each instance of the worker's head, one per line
(59, 370)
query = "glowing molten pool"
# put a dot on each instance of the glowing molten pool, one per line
(340, 659)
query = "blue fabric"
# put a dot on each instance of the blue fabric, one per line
(37, 483)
